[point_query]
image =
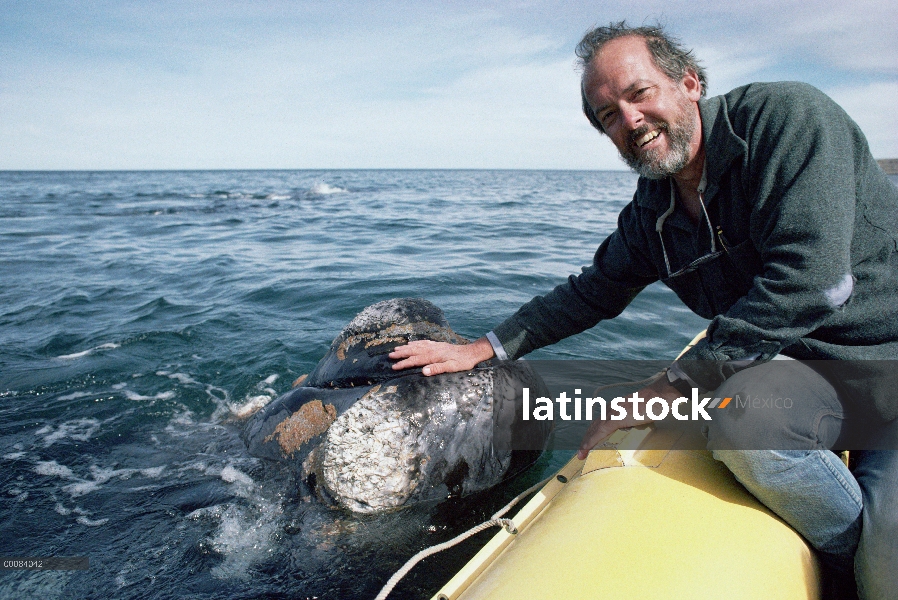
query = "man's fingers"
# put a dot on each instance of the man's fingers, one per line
(597, 432)
(440, 357)
(414, 361)
(434, 357)
(414, 348)
(413, 354)
(434, 369)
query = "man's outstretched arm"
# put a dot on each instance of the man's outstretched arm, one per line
(441, 357)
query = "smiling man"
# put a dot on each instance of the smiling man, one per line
(765, 212)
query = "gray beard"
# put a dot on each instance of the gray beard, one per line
(653, 164)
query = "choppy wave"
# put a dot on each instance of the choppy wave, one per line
(325, 189)
(88, 352)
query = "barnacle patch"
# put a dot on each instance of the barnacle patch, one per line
(312, 418)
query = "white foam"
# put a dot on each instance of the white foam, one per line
(244, 536)
(180, 377)
(104, 474)
(232, 475)
(77, 429)
(221, 398)
(192, 466)
(139, 397)
(253, 404)
(74, 396)
(153, 472)
(324, 189)
(206, 511)
(53, 468)
(76, 354)
(99, 476)
(62, 509)
(81, 488)
(181, 424)
(90, 522)
(83, 353)
(14, 455)
(211, 389)
(277, 197)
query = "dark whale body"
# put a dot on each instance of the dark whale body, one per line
(377, 439)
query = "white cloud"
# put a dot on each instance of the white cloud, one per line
(872, 106)
(728, 68)
(307, 85)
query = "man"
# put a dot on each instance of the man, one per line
(765, 212)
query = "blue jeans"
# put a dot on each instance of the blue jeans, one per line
(847, 517)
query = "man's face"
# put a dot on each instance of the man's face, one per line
(652, 120)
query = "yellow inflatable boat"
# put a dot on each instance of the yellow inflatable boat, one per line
(641, 524)
(631, 523)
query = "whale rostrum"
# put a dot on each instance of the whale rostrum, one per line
(374, 439)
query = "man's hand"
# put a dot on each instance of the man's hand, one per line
(441, 357)
(599, 430)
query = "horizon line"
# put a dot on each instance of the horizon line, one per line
(310, 169)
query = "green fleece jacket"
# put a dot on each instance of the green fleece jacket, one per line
(810, 226)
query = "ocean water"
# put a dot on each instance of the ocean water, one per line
(142, 312)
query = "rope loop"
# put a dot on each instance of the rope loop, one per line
(495, 520)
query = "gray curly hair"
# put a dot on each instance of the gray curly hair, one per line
(669, 55)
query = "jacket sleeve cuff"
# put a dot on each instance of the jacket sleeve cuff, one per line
(679, 373)
(498, 348)
(512, 338)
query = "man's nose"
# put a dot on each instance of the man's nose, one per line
(631, 116)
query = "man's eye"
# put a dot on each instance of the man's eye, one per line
(606, 116)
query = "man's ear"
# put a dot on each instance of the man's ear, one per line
(692, 85)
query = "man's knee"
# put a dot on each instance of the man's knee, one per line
(782, 405)
(764, 469)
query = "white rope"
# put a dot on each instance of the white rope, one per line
(501, 512)
(398, 575)
(496, 519)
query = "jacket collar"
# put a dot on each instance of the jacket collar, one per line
(722, 147)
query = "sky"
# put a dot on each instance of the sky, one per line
(387, 84)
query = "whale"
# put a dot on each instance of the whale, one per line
(367, 438)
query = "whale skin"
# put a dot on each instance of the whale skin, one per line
(369, 439)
